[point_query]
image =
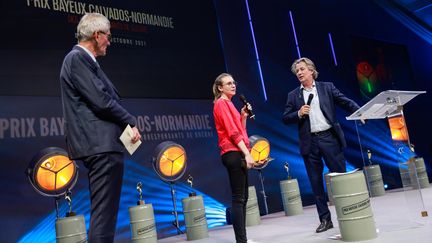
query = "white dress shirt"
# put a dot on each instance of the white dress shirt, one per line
(317, 119)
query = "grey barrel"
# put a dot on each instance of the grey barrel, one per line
(413, 173)
(252, 208)
(353, 208)
(374, 180)
(328, 187)
(291, 198)
(195, 218)
(422, 176)
(71, 229)
(142, 223)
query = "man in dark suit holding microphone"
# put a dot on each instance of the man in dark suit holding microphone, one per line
(94, 121)
(312, 107)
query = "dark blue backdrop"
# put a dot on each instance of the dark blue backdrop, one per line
(29, 69)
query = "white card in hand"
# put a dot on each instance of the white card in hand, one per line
(126, 138)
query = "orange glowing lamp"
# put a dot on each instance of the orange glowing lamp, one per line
(398, 129)
(260, 151)
(169, 161)
(51, 172)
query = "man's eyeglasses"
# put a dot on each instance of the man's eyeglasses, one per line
(109, 37)
(230, 83)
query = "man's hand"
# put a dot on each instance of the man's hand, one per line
(136, 135)
(304, 110)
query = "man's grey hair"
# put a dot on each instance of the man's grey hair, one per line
(91, 23)
(309, 64)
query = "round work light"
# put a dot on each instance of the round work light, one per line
(51, 172)
(260, 151)
(169, 161)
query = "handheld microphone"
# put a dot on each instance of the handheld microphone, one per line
(309, 102)
(309, 99)
(250, 112)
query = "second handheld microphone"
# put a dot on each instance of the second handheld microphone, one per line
(251, 114)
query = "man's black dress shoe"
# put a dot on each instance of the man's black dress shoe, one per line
(325, 225)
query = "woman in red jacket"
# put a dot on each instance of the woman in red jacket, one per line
(233, 142)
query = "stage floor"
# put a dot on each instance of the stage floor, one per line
(394, 219)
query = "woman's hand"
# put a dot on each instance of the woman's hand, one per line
(249, 161)
(245, 110)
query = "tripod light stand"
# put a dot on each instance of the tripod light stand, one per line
(169, 162)
(260, 151)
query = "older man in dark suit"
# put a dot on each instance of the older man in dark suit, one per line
(94, 121)
(312, 107)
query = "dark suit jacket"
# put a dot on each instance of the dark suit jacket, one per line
(94, 118)
(329, 96)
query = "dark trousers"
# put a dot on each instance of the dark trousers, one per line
(105, 173)
(325, 146)
(238, 176)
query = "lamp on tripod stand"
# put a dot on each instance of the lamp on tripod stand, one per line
(169, 162)
(53, 174)
(260, 152)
